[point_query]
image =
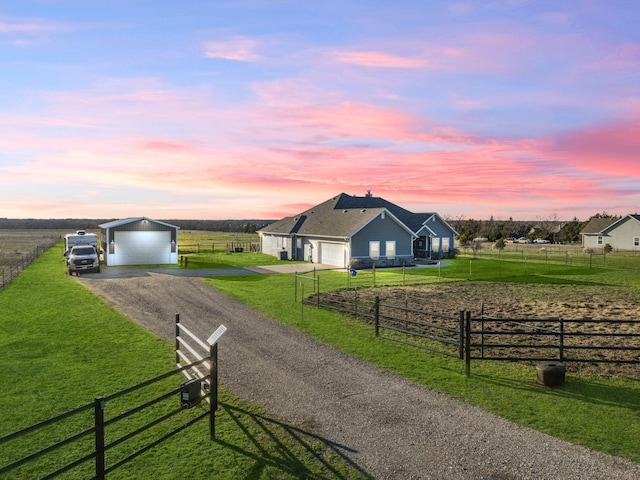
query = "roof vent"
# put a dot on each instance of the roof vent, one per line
(345, 210)
(363, 210)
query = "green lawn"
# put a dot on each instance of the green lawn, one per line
(57, 355)
(62, 346)
(602, 413)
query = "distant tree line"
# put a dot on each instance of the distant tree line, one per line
(546, 227)
(73, 224)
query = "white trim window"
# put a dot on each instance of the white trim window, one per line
(445, 244)
(374, 250)
(390, 246)
(636, 241)
(599, 240)
(435, 244)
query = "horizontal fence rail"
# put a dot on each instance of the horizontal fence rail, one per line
(95, 427)
(579, 341)
(408, 325)
(552, 339)
(150, 421)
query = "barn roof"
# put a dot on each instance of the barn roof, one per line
(125, 221)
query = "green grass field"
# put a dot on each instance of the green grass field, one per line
(599, 412)
(62, 346)
(55, 358)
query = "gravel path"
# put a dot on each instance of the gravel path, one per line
(390, 427)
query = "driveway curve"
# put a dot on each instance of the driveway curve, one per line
(388, 426)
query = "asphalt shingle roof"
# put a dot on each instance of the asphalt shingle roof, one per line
(342, 216)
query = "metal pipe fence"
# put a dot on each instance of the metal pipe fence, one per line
(86, 428)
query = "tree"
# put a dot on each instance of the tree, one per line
(547, 225)
(507, 229)
(571, 231)
(489, 229)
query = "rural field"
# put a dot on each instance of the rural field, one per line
(514, 284)
(19, 247)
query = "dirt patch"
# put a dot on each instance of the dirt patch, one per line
(521, 302)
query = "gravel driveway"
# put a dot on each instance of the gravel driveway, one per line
(390, 427)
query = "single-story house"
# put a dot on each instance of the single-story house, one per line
(359, 232)
(621, 233)
(139, 241)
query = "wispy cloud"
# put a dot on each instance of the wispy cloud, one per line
(241, 49)
(376, 59)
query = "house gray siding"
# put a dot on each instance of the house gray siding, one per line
(382, 230)
(444, 236)
(621, 235)
(339, 231)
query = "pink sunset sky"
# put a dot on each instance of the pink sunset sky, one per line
(259, 109)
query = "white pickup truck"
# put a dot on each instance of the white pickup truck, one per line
(83, 258)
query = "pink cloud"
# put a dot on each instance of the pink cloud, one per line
(610, 149)
(30, 26)
(377, 59)
(241, 49)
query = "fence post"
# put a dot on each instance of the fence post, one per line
(561, 339)
(213, 378)
(376, 314)
(355, 302)
(468, 343)
(99, 436)
(318, 286)
(177, 335)
(461, 335)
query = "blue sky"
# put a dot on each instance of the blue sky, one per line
(260, 109)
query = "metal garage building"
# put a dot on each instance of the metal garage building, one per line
(139, 241)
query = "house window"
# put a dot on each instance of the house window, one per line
(391, 249)
(435, 244)
(445, 244)
(636, 241)
(374, 250)
(599, 240)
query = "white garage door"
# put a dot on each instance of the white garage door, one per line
(142, 248)
(332, 254)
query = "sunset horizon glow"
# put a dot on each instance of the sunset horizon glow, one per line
(261, 109)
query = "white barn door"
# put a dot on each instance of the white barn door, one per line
(142, 248)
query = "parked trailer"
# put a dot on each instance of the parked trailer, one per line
(79, 238)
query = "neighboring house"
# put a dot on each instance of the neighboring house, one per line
(621, 233)
(359, 232)
(139, 241)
